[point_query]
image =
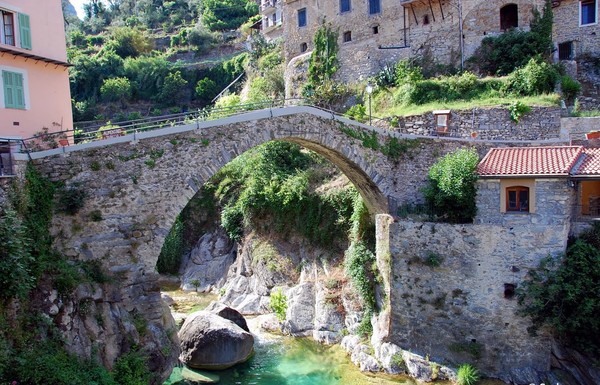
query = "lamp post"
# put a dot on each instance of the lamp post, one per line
(369, 90)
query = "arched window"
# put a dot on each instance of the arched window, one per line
(509, 17)
(303, 47)
(517, 198)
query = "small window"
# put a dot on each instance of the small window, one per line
(5, 159)
(8, 28)
(14, 91)
(374, 6)
(588, 12)
(347, 36)
(344, 5)
(302, 17)
(509, 290)
(517, 199)
(425, 19)
(565, 51)
(375, 30)
(274, 18)
(303, 47)
(509, 17)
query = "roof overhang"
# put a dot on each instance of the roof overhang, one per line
(521, 176)
(14, 52)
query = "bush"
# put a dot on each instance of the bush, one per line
(206, 89)
(535, 78)
(16, 277)
(451, 186)
(570, 87)
(562, 294)
(72, 199)
(147, 74)
(258, 91)
(172, 89)
(357, 112)
(129, 42)
(467, 375)
(169, 258)
(131, 369)
(116, 89)
(278, 303)
(221, 15)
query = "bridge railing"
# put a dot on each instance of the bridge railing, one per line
(92, 131)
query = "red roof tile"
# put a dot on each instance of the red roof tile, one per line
(590, 164)
(529, 161)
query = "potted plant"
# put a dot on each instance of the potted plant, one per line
(592, 135)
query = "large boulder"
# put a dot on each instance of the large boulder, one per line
(211, 342)
(226, 312)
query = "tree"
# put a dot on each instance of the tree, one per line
(173, 88)
(451, 190)
(221, 15)
(206, 89)
(128, 42)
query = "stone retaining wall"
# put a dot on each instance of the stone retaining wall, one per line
(486, 124)
(451, 294)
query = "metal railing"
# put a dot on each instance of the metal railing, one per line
(586, 212)
(93, 131)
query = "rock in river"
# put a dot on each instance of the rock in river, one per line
(209, 341)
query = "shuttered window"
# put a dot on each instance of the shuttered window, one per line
(24, 31)
(14, 92)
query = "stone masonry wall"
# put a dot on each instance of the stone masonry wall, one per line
(487, 124)
(457, 311)
(578, 127)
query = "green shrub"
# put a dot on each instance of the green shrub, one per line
(451, 186)
(16, 276)
(359, 262)
(517, 110)
(357, 112)
(131, 369)
(570, 87)
(278, 303)
(172, 89)
(407, 73)
(221, 15)
(467, 375)
(562, 294)
(72, 199)
(206, 89)
(129, 42)
(116, 89)
(535, 78)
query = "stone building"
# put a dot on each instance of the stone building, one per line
(271, 24)
(576, 30)
(539, 186)
(373, 33)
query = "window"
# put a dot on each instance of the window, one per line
(7, 32)
(509, 17)
(587, 12)
(375, 30)
(565, 51)
(302, 17)
(14, 91)
(344, 5)
(517, 199)
(303, 47)
(347, 36)
(8, 28)
(374, 6)
(425, 19)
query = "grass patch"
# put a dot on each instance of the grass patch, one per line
(547, 100)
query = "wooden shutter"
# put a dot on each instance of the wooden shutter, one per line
(14, 93)
(24, 31)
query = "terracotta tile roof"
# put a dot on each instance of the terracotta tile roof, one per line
(529, 161)
(590, 164)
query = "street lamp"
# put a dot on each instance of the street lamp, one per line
(369, 90)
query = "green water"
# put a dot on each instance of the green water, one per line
(289, 361)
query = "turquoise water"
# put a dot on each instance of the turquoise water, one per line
(289, 361)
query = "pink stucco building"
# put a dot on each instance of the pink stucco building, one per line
(34, 82)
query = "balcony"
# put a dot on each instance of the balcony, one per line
(268, 6)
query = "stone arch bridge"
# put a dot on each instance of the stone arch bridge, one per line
(139, 183)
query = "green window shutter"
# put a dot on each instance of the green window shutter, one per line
(14, 92)
(24, 31)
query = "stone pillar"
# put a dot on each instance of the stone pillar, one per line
(382, 321)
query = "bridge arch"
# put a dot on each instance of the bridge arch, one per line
(140, 183)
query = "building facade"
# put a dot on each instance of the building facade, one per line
(576, 30)
(271, 24)
(34, 94)
(373, 33)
